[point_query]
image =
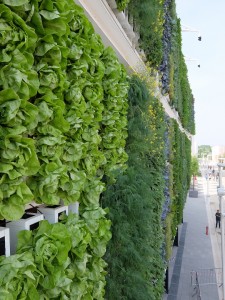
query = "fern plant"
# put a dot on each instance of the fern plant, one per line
(134, 254)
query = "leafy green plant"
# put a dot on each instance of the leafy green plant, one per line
(181, 97)
(181, 173)
(194, 169)
(63, 131)
(114, 120)
(148, 22)
(18, 82)
(18, 277)
(64, 123)
(204, 150)
(67, 256)
(135, 263)
(49, 246)
(18, 160)
(179, 162)
(68, 104)
(161, 42)
(90, 234)
(122, 4)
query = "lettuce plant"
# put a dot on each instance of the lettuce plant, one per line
(49, 245)
(18, 277)
(18, 160)
(65, 92)
(89, 234)
(63, 103)
(67, 256)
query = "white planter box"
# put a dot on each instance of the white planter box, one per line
(121, 17)
(74, 208)
(29, 221)
(4, 241)
(52, 213)
(112, 4)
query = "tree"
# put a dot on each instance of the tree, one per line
(204, 150)
(194, 169)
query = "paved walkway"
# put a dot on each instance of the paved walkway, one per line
(197, 251)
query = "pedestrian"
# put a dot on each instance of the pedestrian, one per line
(218, 216)
(217, 176)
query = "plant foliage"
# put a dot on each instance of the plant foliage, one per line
(148, 22)
(136, 267)
(178, 174)
(122, 4)
(204, 150)
(181, 174)
(65, 258)
(63, 131)
(64, 107)
(174, 70)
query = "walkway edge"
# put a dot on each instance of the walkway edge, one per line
(174, 285)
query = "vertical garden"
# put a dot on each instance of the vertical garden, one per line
(146, 203)
(74, 127)
(63, 127)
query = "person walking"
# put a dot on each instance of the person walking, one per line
(217, 175)
(218, 217)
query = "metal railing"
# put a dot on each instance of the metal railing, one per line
(195, 283)
(205, 277)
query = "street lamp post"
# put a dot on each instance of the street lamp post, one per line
(221, 193)
(189, 29)
(192, 59)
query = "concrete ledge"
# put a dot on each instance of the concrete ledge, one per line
(193, 194)
(107, 25)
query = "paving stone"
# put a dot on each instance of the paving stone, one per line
(194, 252)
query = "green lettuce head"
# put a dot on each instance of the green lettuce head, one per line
(18, 277)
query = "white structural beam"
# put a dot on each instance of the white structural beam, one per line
(189, 29)
(111, 31)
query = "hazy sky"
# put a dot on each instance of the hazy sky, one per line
(208, 81)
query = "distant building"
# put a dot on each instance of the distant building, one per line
(217, 152)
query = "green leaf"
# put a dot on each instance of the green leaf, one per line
(9, 105)
(49, 15)
(12, 208)
(25, 241)
(18, 277)
(15, 2)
